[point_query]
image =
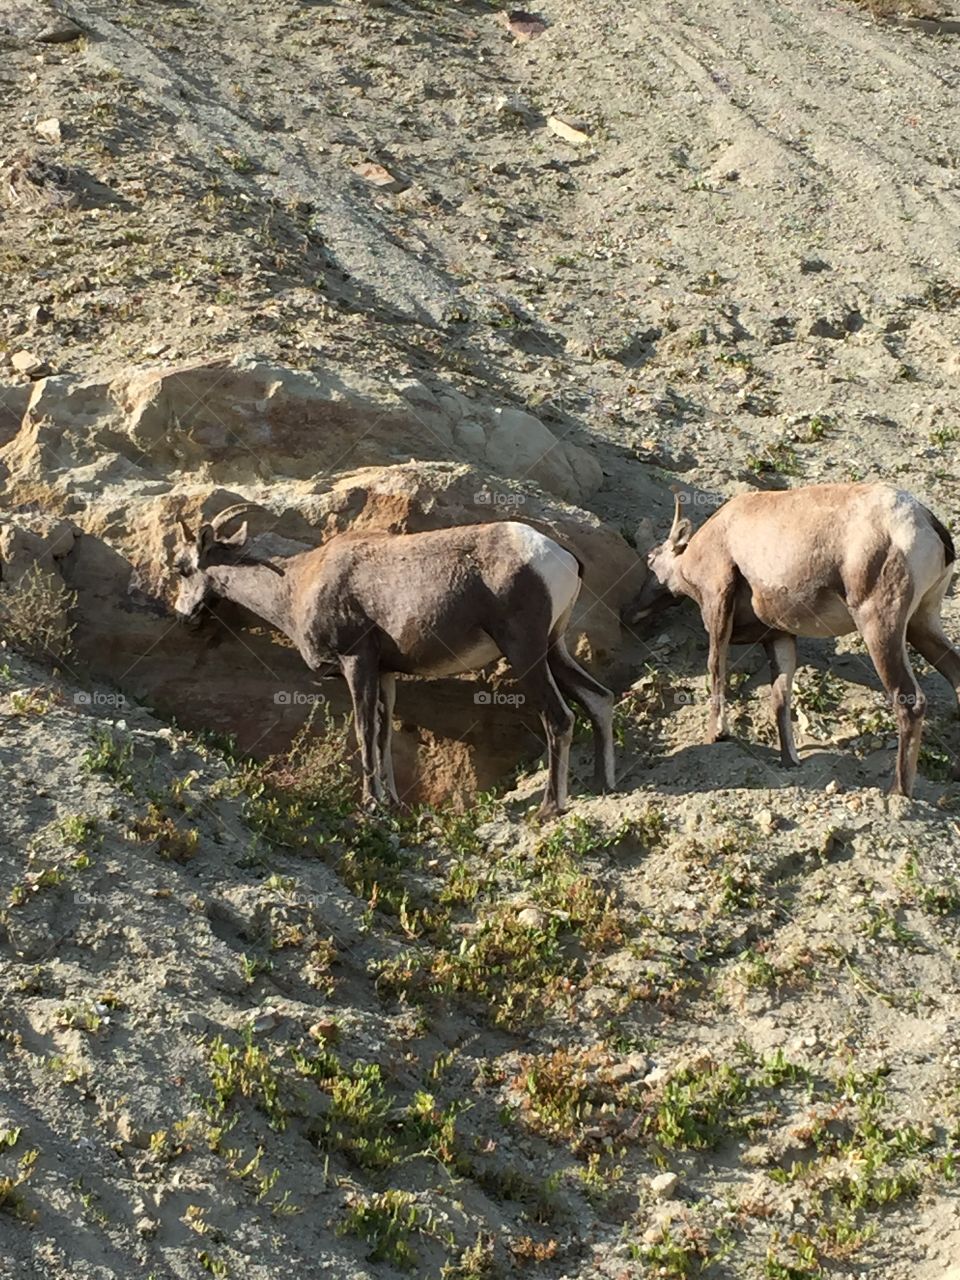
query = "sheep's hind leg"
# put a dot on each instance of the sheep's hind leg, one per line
(925, 632)
(362, 677)
(577, 685)
(532, 673)
(886, 644)
(782, 656)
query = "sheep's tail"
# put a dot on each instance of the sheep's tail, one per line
(944, 535)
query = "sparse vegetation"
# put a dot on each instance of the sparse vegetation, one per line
(387, 1221)
(111, 756)
(700, 1029)
(165, 836)
(294, 799)
(13, 1200)
(35, 615)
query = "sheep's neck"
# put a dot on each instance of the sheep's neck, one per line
(259, 589)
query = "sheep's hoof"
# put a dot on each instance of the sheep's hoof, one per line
(548, 811)
(789, 762)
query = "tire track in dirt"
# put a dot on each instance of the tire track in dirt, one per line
(210, 128)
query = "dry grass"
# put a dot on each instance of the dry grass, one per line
(27, 182)
(35, 615)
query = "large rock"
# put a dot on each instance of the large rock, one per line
(40, 539)
(36, 20)
(14, 399)
(245, 422)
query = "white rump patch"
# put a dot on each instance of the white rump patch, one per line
(913, 534)
(557, 567)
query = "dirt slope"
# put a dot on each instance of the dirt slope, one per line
(468, 1043)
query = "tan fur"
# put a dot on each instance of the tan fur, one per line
(822, 560)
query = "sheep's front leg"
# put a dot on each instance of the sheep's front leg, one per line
(388, 696)
(718, 620)
(363, 680)
(782, 656)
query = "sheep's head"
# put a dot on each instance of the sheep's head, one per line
(196, 553)
(663, 582)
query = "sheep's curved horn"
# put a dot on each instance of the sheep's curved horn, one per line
(220, 519)
(678, 496)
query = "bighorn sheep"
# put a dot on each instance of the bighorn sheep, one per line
(822, 560)
(428, 604)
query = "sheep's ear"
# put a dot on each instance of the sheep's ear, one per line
(680, 534)
(235, 539)
(205, 538)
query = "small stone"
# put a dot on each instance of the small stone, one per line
(513, 107)
(833, 788)
(522, 25)
(619, 1072)
(147, 1226)
(266, 1020)
(39, 314)
(49, 129)
(326, 1031)
(531, 918)
(766, 821)
(665, 1215)
(380, 177)
(567, 130)
(59, 30)
(656, 1076)
(824, 327)
(756, 1156)
(664, 1185)
(899, 806)
(28, 363)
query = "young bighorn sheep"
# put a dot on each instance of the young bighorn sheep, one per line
(822, 560)
(427, 604)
